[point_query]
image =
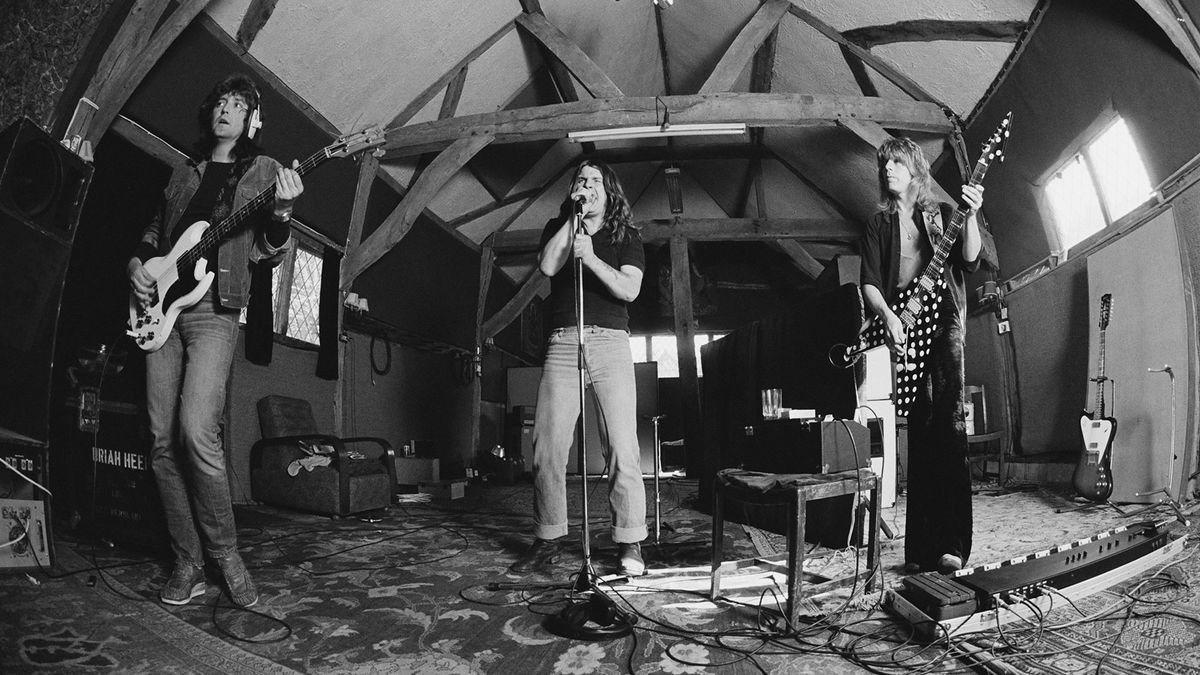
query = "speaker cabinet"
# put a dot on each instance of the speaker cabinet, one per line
(41, 182)
(42, 187)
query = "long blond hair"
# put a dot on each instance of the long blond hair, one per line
(908, 153)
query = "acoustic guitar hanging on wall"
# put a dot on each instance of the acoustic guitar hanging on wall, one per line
(1093, 474)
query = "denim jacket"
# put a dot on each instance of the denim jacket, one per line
(245, 246)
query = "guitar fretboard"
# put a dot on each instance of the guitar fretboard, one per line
(216, 233)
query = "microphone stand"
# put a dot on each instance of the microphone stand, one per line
(571, 621)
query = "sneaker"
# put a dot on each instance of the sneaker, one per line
(241, 587)
(949, 563)
(630, 556)
(540, 553)
(186, 582)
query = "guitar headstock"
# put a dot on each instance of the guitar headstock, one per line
(993, 148)
(1105, 310)
(352, 144)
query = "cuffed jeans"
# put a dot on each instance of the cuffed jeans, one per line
(610, 373)
(185, 396)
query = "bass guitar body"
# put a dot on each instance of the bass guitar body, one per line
(179, 286)
(1092, 479)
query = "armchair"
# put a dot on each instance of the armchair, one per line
(297, 467)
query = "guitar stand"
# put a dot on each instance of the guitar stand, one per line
(1167, 499)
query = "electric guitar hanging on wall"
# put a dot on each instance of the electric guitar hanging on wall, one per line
(922, 304)
(182, 275)
(1093, 474)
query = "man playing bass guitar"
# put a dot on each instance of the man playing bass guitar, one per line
(186, 377)
(897, 245)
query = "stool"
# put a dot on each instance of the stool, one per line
(794, 490)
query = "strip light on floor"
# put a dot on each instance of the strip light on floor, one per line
(657, 131)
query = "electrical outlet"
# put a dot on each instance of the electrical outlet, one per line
(1002, 327)
(26, 516)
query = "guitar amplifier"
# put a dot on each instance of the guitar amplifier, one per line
(809, 446)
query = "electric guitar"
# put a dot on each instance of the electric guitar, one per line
(922, 304)
(182, 275)
(1093, 474)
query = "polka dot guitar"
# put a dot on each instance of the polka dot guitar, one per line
(926, 301)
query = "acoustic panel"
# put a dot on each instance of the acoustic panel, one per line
(1147, 329)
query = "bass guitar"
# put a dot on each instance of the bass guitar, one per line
(182, 275)
(922, 304)
(1093, 473)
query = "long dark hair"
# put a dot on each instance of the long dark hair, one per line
(908, 153)
(618, 217)
(245, 148)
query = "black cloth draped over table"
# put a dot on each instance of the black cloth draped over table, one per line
(788, 351)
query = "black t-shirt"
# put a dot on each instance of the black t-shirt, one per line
(205, 200)
(600, 307)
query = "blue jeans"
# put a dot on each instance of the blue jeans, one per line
(610, 373)
(185, 396)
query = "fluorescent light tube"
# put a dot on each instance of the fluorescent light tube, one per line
(655, 131)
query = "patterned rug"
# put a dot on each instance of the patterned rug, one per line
(425, 589)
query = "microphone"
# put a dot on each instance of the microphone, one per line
(580, 199)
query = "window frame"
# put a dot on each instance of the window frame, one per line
(1079, 147)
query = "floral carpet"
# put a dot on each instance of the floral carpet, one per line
(424, 588)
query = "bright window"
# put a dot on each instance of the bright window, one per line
(1098, 185)
(663, 350)
(304, 302)
(297, 303)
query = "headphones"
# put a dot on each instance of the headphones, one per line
(255, 121)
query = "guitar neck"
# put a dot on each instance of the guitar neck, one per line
(941, 250)
(217, 232)
(1100, 381)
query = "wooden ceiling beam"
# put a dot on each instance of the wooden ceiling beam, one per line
(1174, 20)
(534, 285)
(256, 17)
(755, 110)
(881, 65)
(135, 51)
(828, 230)
(558, 72)
(417, 104)
(875, 135)
(590, 75)
(401, 219)
(489, 208)
(801, 258)
(930, 30)
(859, 71)
(750, 229)
(745, 46)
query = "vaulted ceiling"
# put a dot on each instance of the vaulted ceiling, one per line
(504, 81)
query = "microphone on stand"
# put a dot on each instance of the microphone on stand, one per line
(580, 200)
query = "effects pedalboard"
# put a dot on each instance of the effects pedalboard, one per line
(986, 587)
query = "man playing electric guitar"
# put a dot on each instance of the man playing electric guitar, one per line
(186, 377)
(896, 247)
